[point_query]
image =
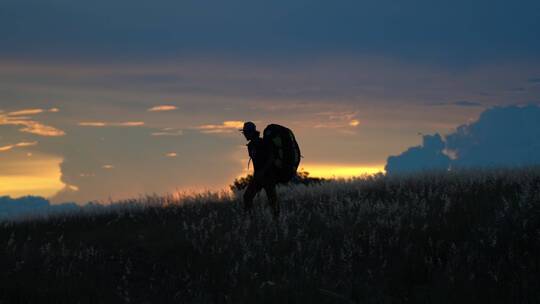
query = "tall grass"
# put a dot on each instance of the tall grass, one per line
(435, 237)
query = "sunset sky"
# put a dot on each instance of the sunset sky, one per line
(103, 100)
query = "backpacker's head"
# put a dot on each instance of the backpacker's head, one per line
(250, 131)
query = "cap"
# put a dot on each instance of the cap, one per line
(249, 127)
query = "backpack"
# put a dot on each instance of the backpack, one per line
(285, 149)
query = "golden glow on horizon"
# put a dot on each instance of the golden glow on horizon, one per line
(38, 176)
(227, 126)
(340, 170)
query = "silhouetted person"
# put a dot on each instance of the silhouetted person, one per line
(264, 175)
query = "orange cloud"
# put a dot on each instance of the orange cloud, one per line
(26, 144)
(337, 120)
(92, 124)
(111, 124)
(26, 112)
(168, 132)
(107, 167)
(129, 124)
(87, 175)
(172, 154)
(226, 127)
(163, 108)
(37, 128)
(18, 145)
(29, 125)
(72, 187)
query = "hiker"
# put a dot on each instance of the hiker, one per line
(275, 156)
(264, 170)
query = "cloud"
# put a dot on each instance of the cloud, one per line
(100, 124)
(302, 27)
(26, 112)
(37, 128)
(502, 136)
(72, 188)
(171, 154)
(517, 90)
(107, 167)
(337, 120)
(429, 155)
(354, 123)
(92, 124)
(467, 103)
(506, 136)
(168, 132)
(28, 124)
(228, 126)
(6, 148)
(129, 124)
(87, 175)
(30, 206)
(18, 145)
(163, 108)
(29, 112)
(534, 80)
(459, 103)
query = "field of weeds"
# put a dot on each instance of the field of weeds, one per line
(452, 237)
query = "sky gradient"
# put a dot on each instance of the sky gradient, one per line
(107, 100)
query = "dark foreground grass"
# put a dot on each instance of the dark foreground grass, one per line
(468, 237)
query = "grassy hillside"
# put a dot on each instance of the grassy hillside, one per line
(467, 237)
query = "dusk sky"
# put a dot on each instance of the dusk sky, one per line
(110, 99)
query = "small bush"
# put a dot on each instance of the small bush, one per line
(301, 177)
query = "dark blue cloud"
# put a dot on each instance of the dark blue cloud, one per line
(11, 208)
(442, 29)
(506, 136)
(502, 136)
(427, 156)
